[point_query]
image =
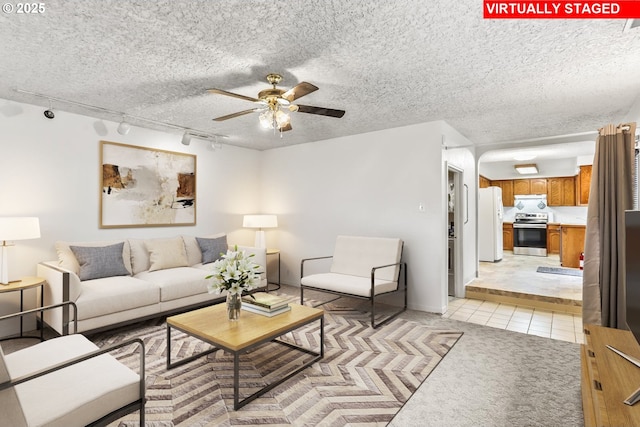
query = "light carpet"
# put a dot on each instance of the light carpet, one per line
(497, 378)
(364, 379)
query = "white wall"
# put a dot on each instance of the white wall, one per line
(50, 169)
(369, 184)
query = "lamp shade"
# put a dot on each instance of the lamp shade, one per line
(260, 221)
(19, 228)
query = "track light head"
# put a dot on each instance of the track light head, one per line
(49, 114)
(124, 127)
(215, 144)
(186, 139)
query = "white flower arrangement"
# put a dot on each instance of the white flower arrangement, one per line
(235, 272)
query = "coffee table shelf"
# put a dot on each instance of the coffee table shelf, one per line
(211, 325)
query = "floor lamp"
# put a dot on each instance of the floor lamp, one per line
(15, 228)
(260, 222)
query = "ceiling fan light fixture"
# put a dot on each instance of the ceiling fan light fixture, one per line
(278, 103)
(282, 119)
(266, 119)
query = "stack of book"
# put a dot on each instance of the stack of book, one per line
(265, 304)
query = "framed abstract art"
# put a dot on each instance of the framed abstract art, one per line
(146, 187)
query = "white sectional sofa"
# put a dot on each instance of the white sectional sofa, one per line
(118, 282)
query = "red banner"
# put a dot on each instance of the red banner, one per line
(517, 9)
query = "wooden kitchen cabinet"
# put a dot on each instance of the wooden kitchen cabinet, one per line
(572, 244)
(553, 238)
(521, 186)
(507, 236)
(530, 186)
(568, 191)
(561, 191)
(538, 185)
(583, 185)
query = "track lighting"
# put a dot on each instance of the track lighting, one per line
(49, 113)
(124, 127)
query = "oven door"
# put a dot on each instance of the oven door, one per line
(530, 239)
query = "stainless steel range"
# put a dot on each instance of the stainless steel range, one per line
(530, 233)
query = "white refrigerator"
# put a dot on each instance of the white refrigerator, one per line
(490, 214)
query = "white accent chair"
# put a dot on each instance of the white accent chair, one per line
(362, 267)
(68, 381)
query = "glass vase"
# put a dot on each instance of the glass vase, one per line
(234, 302)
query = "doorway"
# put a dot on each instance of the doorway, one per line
(456, 194)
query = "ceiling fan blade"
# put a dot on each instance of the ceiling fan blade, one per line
(234, 95)
(286, 127)
(238, 114)
(320, 111)
(299, 91)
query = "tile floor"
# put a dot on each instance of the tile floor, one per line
(560, 326)
(518, 273)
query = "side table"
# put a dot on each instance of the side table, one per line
(274, 252)
(22, 285)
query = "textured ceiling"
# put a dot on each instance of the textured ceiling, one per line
(387, 64)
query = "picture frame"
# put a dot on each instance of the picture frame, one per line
(146, 187)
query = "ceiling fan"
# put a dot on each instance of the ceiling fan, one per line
(276, 104)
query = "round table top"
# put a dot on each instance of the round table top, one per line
(24, 283)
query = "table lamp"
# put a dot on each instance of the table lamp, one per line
(260, 222)
(15, 228)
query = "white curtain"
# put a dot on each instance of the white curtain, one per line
(611, 193)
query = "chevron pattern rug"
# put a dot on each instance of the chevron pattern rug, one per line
(364, 379)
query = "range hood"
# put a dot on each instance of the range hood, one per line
(531, 197)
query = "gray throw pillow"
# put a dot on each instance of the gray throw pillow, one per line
(212, 248)
(99, 262)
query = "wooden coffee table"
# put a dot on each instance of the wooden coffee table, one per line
(211, 325)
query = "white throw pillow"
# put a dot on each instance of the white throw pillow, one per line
(166, 253)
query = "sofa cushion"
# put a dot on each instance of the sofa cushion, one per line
(356, 256)
(76, 395)
(178, 282)
(100, 261)
(113, 294)
(348, 284)
(194, 254)
(66, 258)
(212, 248)
(166, 253)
